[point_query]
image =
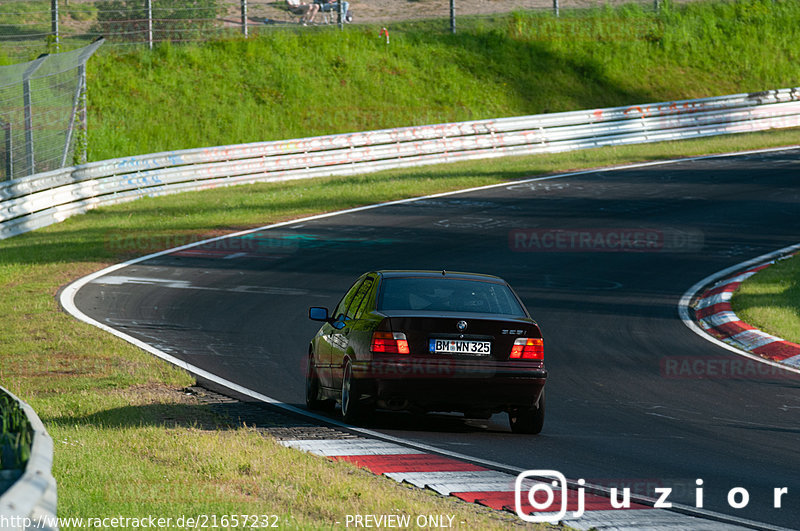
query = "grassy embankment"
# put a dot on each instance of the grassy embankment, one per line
(128, 443)
(296, 84)
(770, 300)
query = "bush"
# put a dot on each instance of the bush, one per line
(16, 435)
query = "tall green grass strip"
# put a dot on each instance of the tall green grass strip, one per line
(295, 84)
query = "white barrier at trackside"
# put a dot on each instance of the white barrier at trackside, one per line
(33, 497)
(40, 200)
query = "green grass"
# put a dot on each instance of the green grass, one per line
(25, 13)
(770, 300)
(288, 84)
(150, 451)
(113, 409)
(35, 15)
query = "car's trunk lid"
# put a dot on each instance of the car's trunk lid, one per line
(460, 335)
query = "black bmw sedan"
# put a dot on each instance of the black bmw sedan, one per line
(428, 341)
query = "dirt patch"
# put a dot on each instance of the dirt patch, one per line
(386, 12)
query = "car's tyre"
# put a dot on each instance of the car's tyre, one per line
(528, 420)
(313, 400)
(354, 411)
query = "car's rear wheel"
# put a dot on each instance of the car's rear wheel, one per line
(528, 420)
(354, 411)
(313, 400)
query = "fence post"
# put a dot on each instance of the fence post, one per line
(9, 145)
(84, 126)
(77, 101)
(244, 18)
(83, 123)
(148, 5)
(555, 7)
(54, 20)
(26, 99)
(452, 16)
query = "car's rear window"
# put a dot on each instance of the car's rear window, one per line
(448, 295)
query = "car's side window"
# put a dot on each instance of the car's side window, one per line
(360, 294)
(341, 309)
(362, 301)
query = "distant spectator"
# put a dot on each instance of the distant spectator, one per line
(307, 11)
(333, 6)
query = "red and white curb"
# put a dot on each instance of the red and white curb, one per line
(713, 312)
(450, 476)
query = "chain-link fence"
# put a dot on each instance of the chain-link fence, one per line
(27, 25)
(43, 113)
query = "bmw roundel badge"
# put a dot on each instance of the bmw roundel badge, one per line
(461, 325)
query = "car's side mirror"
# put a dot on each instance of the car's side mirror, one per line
(318, 314)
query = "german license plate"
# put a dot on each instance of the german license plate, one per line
(460, 346)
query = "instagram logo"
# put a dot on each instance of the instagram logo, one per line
(536, 490)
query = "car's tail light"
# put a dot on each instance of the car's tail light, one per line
(389, 343)
(528, 348)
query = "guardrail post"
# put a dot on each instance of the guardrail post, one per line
(244, 18)
(452, 16)
(657, 4)
(555, 7)
(54, 19)
(148, 5)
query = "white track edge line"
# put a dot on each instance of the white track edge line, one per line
(67, 300)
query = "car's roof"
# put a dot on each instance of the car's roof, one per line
(396, 273)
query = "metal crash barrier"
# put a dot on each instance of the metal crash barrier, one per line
(39, 200)
(30, 501)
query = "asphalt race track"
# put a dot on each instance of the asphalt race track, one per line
(634, 397)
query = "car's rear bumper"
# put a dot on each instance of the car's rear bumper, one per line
(452, 384)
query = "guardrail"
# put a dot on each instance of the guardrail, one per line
(40, 200)
(32, 499)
